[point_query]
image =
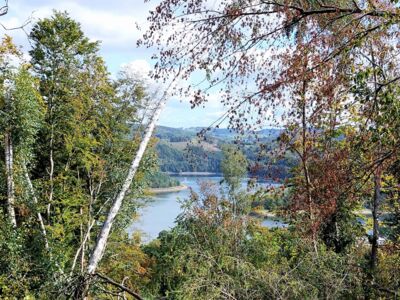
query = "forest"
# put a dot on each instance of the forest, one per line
(182, 150)
(311, 98)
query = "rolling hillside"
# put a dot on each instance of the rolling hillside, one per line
(180, 150)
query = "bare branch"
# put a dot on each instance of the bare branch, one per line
(122, 287)
(4, 9)
(26, 23)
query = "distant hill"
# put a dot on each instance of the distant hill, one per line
(180, 150)
(185, 134)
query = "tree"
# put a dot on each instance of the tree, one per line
(211, 253)
(101, 242)
(59, 53)
(7, 50)
(106, 228)
(22, 113)
(233, 167)
(377, 114)
(311, 66)
(85, 147)
(22, 110)
(255, 46)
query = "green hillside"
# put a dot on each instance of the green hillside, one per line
(181, 150)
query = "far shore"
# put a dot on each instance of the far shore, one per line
(364, 212)
(171, 189)
(264, 213)
(193, 173)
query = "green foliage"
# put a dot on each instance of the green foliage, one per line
(23, 111)
(192, 158)
(161, 180)
(74, 131)
(211, 253)
(179, 151)
(24, 265)
(125, 262)
(71, 128)
(234, 167)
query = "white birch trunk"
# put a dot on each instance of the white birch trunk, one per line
(9, 153)
(36, 202)
(101, 242)
(51, 172)
(81, 247)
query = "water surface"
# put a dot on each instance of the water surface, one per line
(162, 209)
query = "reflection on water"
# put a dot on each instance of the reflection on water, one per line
(273, 223)
(160, 213)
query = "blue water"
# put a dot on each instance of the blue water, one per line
(162, 209)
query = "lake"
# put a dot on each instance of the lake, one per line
(161, 210)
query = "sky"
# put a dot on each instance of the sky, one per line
(114, 24)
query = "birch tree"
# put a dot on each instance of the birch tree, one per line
(8, 51)
(103, 236)
(25, 111)
(22, 111)
(9, 159)
(101, 243)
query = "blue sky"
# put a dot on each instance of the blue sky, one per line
(114, 24)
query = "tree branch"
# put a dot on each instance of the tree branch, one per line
(4, 9)
(122, 287)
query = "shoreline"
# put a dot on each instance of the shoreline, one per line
(171, 189)
(193, 174)
(262, 214)
(364, 212)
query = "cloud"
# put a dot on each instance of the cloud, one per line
(113, 23)
(138, 67)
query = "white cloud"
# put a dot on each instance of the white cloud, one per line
(139, 67)
(113, 23)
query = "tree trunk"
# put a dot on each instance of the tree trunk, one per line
(82, 246)
(377, 182)
(102, 238)
(375, 214)
(304, 159)
(36, 202)
(51, 172)
(105, 230)
(8, 147)
(83, 242)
